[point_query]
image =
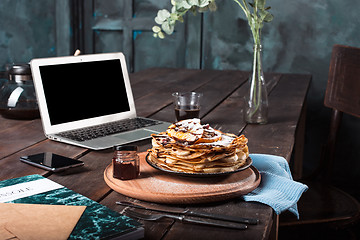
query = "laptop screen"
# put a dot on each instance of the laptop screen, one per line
(78, 91)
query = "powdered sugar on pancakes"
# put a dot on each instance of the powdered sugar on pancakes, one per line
(187, 146)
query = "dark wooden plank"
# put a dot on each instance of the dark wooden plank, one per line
(153, 230)
(228, 116)
(12, 167)
(17, 137)
(10, 123)
(148, 75)
(235, 208)
(298, 156)
(219, 86)
(278, 135)
(147, 89)
(160, 98)
(180, 230)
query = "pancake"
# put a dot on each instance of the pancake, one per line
(188, 131)
(189, 147)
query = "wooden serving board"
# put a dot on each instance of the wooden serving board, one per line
(157, 186)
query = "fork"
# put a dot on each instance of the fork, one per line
(182, 218)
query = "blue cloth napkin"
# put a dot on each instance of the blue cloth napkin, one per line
(277, 187)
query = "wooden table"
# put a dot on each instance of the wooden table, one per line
(221, 107)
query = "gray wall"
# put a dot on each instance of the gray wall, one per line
(33, 28)
(299, 40)
(26, 30)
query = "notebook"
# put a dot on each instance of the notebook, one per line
(87, 101)
(96, 222)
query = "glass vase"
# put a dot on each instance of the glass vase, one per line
(256, 99)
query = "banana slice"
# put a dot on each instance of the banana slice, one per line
(210, 135)
(189, 130)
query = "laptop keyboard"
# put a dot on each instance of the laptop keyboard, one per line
(108, 129)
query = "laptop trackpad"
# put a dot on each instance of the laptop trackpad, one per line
(134, 135)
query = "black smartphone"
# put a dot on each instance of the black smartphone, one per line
(51, 162)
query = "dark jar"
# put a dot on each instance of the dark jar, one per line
(126, 162)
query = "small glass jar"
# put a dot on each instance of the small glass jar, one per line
(126, 162)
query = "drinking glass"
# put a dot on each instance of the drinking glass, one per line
(187, 105)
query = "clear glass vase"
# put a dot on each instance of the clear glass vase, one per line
(256, 99)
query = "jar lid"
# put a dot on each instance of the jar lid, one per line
(126, 148)
(20, 72)
(20, 69)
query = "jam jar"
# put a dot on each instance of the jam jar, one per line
(17, 95)
(126, 162)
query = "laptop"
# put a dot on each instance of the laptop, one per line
(87, 101)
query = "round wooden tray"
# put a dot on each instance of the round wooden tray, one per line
(157, 186)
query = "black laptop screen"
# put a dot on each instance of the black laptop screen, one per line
(85, 90)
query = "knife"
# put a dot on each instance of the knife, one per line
(194, 213)
(183, 218)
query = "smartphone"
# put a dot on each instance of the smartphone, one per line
(51, 162)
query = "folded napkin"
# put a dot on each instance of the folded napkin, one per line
(277, 188)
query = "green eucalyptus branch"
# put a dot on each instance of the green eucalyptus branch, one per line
(167, 20)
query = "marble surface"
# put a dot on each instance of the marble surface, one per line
(97, 220)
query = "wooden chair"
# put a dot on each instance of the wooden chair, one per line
(322, 203)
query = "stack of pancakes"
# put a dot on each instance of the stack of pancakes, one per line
(190, 147)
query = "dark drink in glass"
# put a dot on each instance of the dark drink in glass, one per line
(186, 112)
(186, 105)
